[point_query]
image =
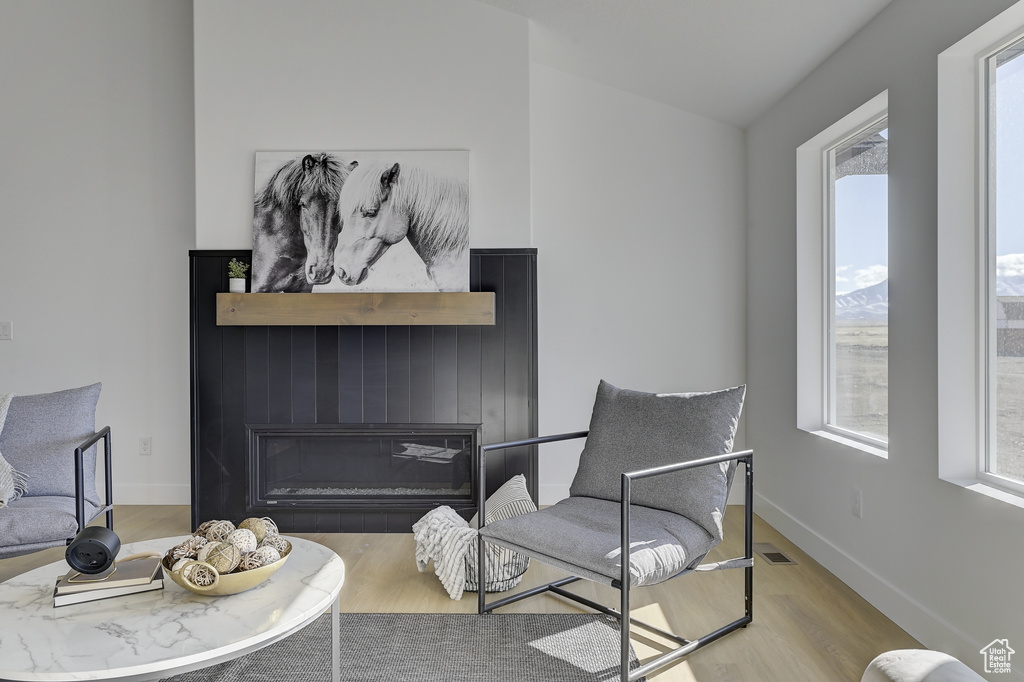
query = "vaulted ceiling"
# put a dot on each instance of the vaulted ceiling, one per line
(729, 60)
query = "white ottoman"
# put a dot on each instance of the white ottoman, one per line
(918, 665)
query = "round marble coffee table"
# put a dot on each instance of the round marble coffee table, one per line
(152, 635)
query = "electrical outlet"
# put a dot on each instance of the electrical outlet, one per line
(6, 331)
(146, 445)
(857, 503)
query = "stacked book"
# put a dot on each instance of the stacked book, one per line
(125, 577)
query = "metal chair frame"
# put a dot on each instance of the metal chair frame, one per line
(108, 507)
(623, 583)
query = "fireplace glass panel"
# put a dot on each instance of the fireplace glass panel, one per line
(339, 466)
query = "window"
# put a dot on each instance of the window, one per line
(981, 259)
(842, 280)
(1004, 452)
(858, 351)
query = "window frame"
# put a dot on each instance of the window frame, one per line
(816, 277)
(987, 233)
(963, 243)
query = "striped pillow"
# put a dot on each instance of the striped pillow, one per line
(511, 499)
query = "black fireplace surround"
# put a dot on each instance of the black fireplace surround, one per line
(359, 429)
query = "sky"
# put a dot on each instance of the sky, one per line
(862, 230)
(1009, 116)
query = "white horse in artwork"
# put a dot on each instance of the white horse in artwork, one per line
(381, 204)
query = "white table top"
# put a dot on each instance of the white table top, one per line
(157, 634)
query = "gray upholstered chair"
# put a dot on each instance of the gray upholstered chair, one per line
(52, 439)
(646, 505)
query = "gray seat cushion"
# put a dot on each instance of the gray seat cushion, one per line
(580, 535)
(40, 436)
(38, 522)
(632, 430)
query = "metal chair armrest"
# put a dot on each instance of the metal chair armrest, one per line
(744, 455)
(538, 440)
(93, 439)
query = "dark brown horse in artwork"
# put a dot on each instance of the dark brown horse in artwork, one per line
(296, 225)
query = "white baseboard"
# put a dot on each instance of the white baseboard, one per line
(933, 631)
(150, 493)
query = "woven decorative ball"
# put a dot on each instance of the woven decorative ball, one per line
(277, 542)
(259, 557)
(188, 549)
(205, 551)
(179, 564)
(244, 539)
(271, 526)
(200, 575)
(257, 526)
(221, 555)
(219, 531)
(203, 527)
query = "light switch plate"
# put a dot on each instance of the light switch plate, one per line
(6, 331)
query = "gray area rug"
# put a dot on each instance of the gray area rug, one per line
(412, 647)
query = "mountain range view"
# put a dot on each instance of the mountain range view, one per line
(871, 304)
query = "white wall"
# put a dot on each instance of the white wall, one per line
(97, 219)
(356, 75)
(941, 561)
(639, 223)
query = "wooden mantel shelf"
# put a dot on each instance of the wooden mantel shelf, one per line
(367, 309)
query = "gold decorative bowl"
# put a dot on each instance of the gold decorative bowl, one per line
(227, 583)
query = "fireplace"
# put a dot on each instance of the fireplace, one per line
(345, 428)
(361, 465)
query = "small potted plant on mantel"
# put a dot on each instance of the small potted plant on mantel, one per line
(236, 276)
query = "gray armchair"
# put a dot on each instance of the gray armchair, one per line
(646, 505)
(52, 439)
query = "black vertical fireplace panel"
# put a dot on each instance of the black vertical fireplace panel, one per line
(350, 375)
(399, 398)
(446, 375)
(421, 375)
(278, 374)
(358, 375)
(303, 380)
(375, 375)
(520, 300)
(207, 445)
(234, 441)
(327, 373)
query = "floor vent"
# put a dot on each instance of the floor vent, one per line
(772, 555)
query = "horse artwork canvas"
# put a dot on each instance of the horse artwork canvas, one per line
(395, 221)
(295, 221)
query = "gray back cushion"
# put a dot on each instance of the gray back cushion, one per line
(631, 430)
(40, 436)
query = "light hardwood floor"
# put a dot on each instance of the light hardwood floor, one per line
(808, 626)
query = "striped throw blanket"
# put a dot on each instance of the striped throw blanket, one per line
(444, 537)
(13, 483)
